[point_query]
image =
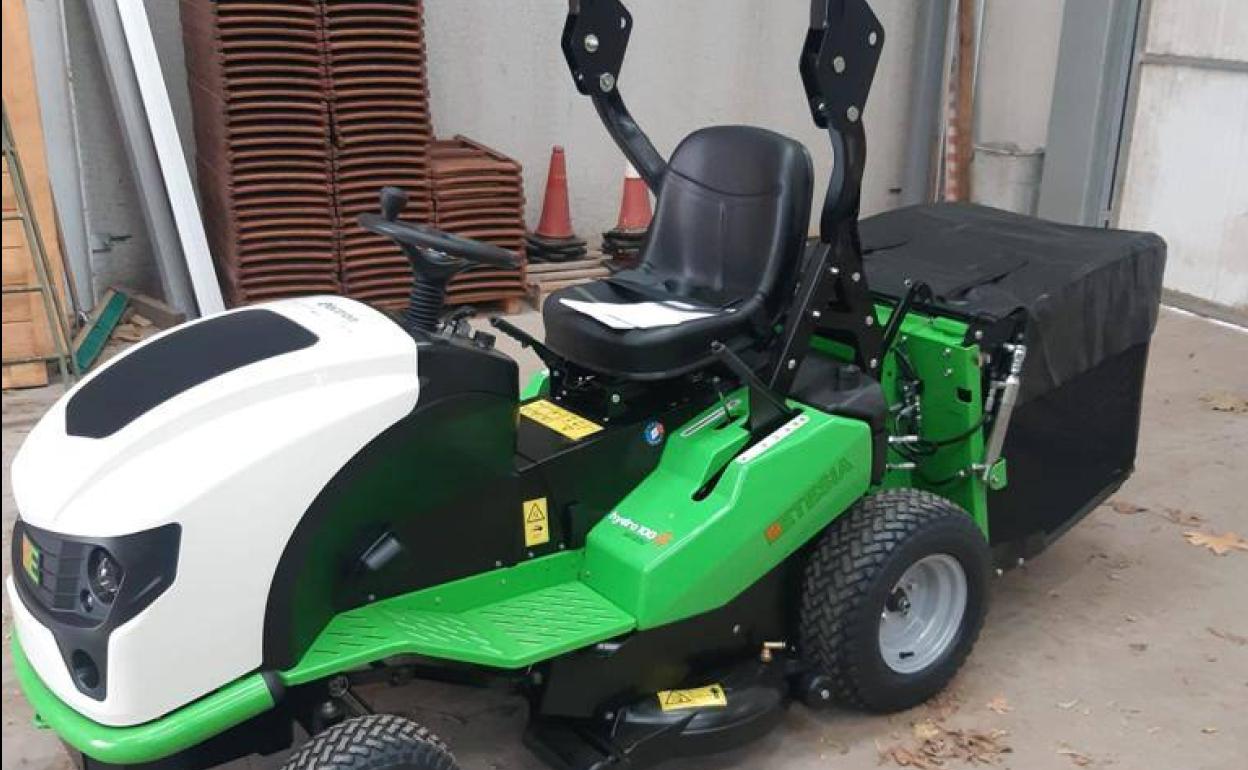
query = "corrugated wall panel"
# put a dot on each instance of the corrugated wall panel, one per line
(1185, 172)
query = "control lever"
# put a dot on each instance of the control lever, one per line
(915, 292)
(548, 356)
(767, 408)
(393, 201)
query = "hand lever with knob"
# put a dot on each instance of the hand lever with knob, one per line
(393, 201)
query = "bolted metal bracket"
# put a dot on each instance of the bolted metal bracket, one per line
(839, 60)
(838, 65)
(595, 40)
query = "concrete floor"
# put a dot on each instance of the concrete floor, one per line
(1123, 646)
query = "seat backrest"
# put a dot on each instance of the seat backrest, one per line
(731, 218)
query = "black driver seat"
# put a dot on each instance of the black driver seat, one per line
(727, 238)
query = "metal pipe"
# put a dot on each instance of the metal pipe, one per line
(926, 102)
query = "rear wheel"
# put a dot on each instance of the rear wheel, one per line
(373, 742)
(894, 597)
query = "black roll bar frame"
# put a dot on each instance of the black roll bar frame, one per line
(838, 64)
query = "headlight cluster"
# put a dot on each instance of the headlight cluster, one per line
(82, 588)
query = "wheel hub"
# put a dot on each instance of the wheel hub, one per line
(898, 601)
(923, 614)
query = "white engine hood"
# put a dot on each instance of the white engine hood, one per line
(143, 474)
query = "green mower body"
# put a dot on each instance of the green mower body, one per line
(757, 468)
(714, 521)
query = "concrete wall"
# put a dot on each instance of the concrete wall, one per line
(498, 76)
(1188, 147)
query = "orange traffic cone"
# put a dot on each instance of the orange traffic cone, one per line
(635, 211)
(624, 243)
(555, 240)
(556, 221)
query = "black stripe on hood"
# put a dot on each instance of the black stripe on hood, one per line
(151, 375)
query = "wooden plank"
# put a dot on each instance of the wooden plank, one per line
(23, 106)
(26, 332)
(16, 311)
(537, 268)
(10, 198)
(24, 376)
(159, 313)
(568, 275)
(19, 340)
(14, 267)
(557, 285)
(14, 240)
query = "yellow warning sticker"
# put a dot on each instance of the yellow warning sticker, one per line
(536, 523)
(560, 420)
(700, 698)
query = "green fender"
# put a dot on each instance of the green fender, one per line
(666, 553)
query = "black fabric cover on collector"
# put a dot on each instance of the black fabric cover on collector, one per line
(1088, 294)
(1089, 301)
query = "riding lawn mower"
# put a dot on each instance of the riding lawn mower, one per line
(757, 468)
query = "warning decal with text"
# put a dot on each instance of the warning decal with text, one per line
(560, 420)
(536, 523)
(702, 697)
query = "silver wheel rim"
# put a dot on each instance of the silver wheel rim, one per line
(923, 613)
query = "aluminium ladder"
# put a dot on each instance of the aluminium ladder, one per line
(43, 272)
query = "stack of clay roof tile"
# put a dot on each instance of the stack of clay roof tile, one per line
(479, 193)
(379, 102)
(257, 80)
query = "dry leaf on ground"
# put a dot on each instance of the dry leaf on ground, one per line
(934, 744)
(927, 730)
(1225, 401)
(1183, 518)
(1077, 758)
(1235, 639)
(904, 757)
(977, 747)
(944, 705)
(1221, 545)
(1000, 705)
(1126, 508)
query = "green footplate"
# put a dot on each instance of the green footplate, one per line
(507, 619)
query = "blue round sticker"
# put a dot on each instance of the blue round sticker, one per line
(655, 432)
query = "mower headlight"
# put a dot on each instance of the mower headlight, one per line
(104, 575)
(83, 588)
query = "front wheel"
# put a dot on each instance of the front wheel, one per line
(894, 597)
(373, 742)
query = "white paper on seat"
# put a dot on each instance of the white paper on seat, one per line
(638, 315)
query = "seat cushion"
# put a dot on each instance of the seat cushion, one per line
(728, 234)
(642, 354)
(731, 218)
